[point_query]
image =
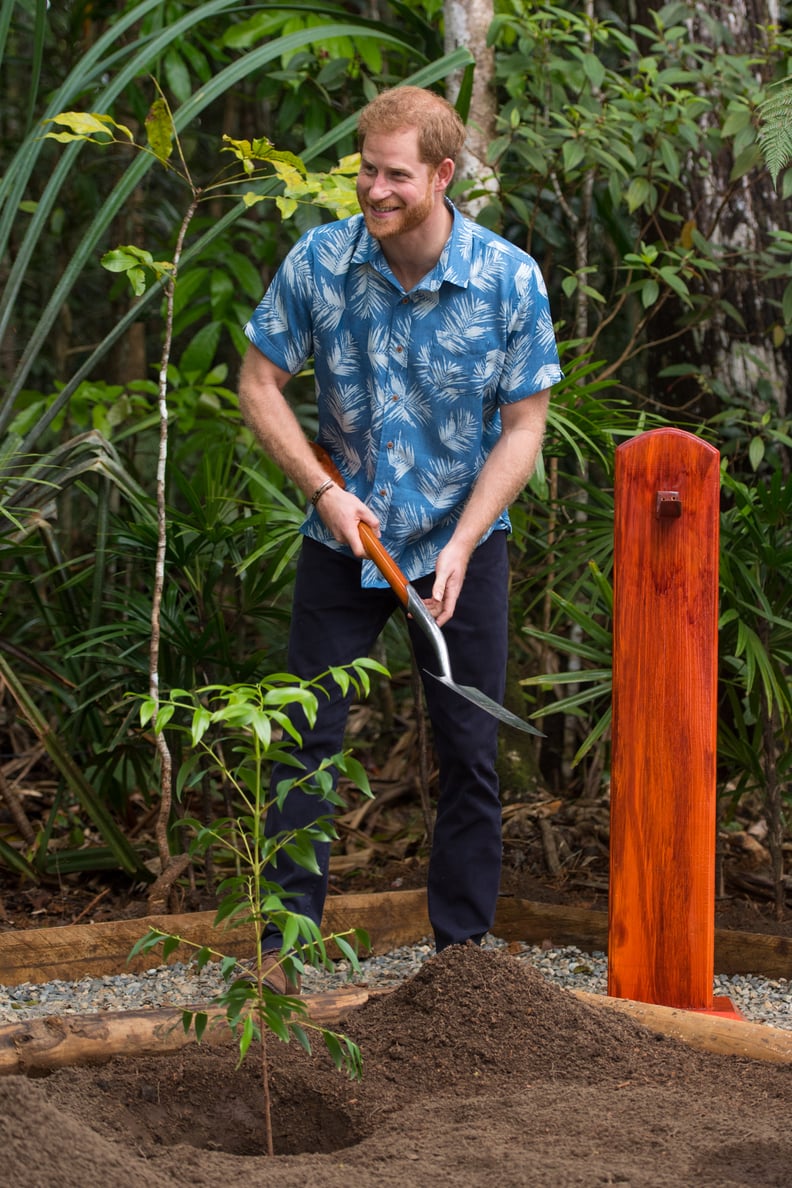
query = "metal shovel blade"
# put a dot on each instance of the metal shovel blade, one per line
(487, 703)
(417, 609)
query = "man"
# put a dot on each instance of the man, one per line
(434, 354)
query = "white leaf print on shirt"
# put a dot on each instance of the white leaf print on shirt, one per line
(277, 320)
(425, 303)
(333, 253)
(483, 276)
(469, 325)
(443, 482)
(342, 451)
(409, 524)
(377, 347)
(329, 311)
(459, 432)
(412, 407)
(347, 405)
(448, 379)
(343, 357)
(403, 458)
(369, 293)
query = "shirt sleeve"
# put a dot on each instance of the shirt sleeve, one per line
(281, 324)
(531, 363)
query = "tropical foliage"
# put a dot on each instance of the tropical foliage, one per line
(606, 127)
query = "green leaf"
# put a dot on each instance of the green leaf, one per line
(201, 722)
(177, 75)
(146, 943)
(164, 716)
(674, 280)
(650, 291)
(169, 945)
(736, 120)
(302, 1039)
(573, 154)
(84, 124)
(595, 71)
(370, 55)
(246, 1038)
(756, 452)
(147, 708)
(199, 356)
(745, 161)
(347, 951)
(669, 157)
(333, 1046)
(637, 193)
(159, 130)
(228, 966)
(786, 301)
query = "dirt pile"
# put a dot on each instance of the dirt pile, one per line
(477, 1070)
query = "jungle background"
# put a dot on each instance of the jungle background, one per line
(146, 545)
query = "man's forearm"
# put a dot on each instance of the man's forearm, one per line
(508, 468)
(271, 420)
(278, 432)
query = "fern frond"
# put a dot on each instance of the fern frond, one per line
(775, 127)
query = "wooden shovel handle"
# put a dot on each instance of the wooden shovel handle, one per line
(375, 550)
(377, 553)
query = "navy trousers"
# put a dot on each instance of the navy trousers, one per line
(335, 621)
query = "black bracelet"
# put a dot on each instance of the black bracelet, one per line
(319, 492)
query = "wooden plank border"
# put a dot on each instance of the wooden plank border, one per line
(392, 919)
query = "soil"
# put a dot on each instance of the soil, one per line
(476, 1070)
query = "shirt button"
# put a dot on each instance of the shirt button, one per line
(399, 350)
(390, 445)
(394, 397)
(382, 492)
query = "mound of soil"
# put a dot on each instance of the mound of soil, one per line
(477, 1071)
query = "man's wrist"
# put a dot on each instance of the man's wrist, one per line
(321, 490)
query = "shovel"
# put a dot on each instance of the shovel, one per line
(415, 606)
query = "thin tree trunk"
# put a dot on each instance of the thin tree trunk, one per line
(170, 869)
(467, 23)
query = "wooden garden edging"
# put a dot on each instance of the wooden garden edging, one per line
(701, 1030)
(40, 1046)
(391, 918)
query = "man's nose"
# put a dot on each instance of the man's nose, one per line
(379, 187)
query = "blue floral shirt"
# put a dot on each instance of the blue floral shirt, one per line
(409, 385)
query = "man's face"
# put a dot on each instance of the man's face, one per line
(395, 189)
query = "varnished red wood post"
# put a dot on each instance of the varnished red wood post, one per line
(661, 931)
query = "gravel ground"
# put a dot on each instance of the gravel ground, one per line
(759, 1000)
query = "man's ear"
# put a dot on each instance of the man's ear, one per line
(444, 174)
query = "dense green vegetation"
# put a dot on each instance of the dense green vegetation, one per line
(630, 164)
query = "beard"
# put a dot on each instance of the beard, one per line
(404, 218)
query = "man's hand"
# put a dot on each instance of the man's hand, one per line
(342, 512)
(450, 570)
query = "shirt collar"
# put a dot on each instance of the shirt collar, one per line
(453, 266)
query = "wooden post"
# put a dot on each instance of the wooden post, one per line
(661, 930)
